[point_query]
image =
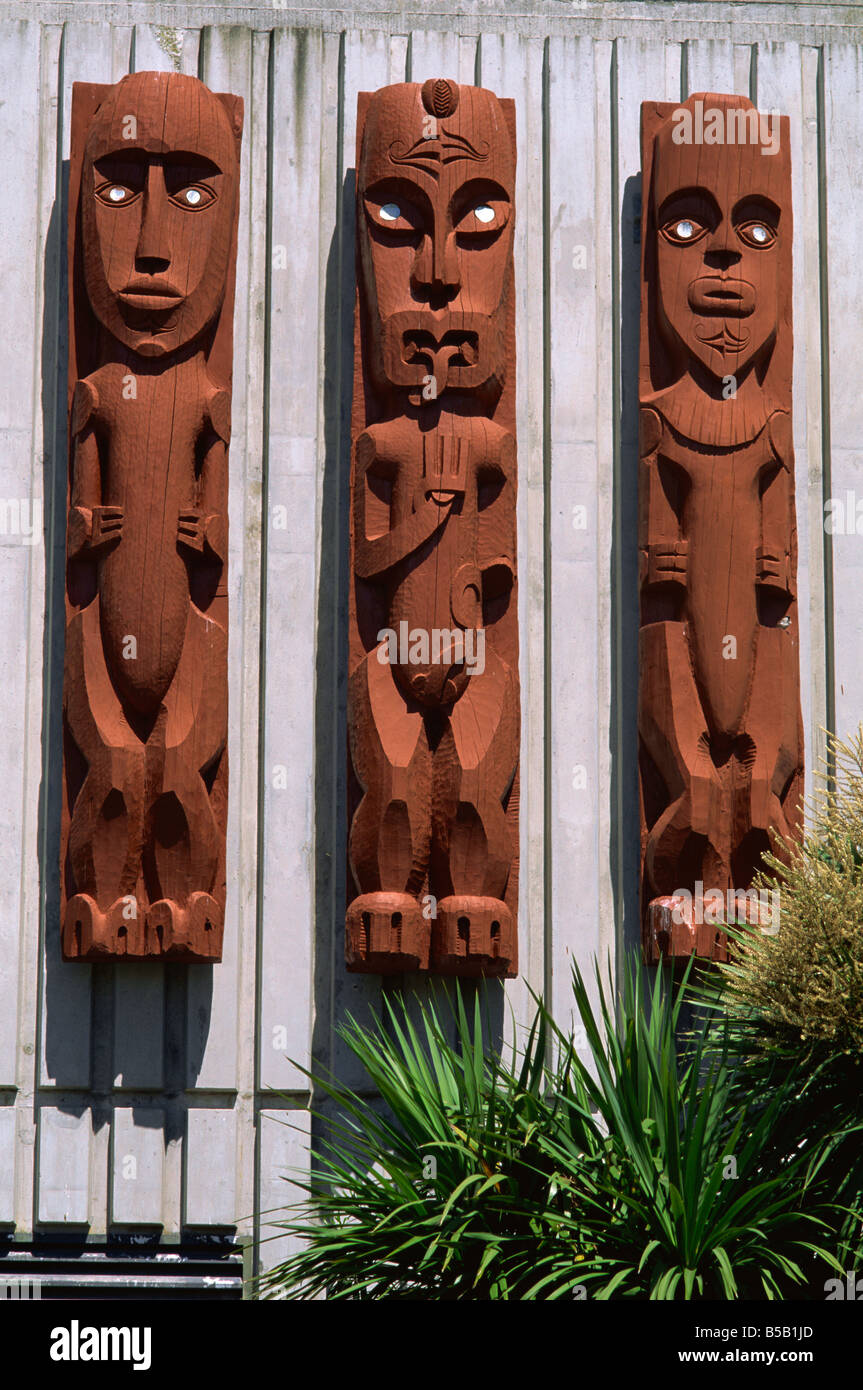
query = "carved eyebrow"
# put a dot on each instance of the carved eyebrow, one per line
(475, 188)
(132, 154)
(688, 198)
(187, 160)
(394, 187)
(757, 203)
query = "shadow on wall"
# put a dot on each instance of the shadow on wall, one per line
(78, 1002)
(339, 993)
(624, 818)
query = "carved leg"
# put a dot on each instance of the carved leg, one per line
(774, 726)
(182, 855)
(686, 840)
(472, 849)
(106, 830)
(390, 833)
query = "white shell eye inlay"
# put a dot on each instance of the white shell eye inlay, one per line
(117, 195)
(684, 230)
(484, 213)
(759, 233)
(192, 197)
(391, 212)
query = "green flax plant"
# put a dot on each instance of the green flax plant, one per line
(632, 1166)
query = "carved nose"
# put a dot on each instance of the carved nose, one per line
(722, 250)
(152, 253)
(436, 274)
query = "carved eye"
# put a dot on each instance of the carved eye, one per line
(683, 231)
(116, 194)
(400, 217)
(759, 234)
(194, 198)
(482, 216)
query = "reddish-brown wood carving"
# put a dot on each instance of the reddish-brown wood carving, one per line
(153, 199)
(720, 728)
(433, 707)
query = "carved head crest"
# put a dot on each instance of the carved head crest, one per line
(435, 193)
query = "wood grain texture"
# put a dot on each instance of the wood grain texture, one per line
(154, 188)
(720, 726)
(433, 707)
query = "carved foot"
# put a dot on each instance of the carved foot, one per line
(387, 934)
(191, 933)
(89, 934)
(473, 936)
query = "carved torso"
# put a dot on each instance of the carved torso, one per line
(152, 476)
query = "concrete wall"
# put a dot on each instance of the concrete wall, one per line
(133, 1099)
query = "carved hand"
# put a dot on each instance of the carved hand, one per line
(444, 471)
(772, 568)
(667, 562)
(195, 530)
(94, 529)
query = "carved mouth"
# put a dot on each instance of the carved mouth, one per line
(717, 294)
(151, 303)
(152, 296)
(421, 346)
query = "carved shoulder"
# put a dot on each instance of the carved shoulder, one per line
(781, 437)
(85, 404)
(219, 413)
(649, 431)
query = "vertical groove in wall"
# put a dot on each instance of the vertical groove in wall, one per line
(684, 70)
(477, 62)
(336, 942)
(753, 74)
(262, 647)
(409, 60)
(616, 790)
(29, 1073)
(548, 906)
(826, 470)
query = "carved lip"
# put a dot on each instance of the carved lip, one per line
(718, 294)
(151, 294)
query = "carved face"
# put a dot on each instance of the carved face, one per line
(720, 233)
(435, 193)
(158, 192)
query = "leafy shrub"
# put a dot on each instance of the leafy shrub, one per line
(792, 1003)
(631, 1169)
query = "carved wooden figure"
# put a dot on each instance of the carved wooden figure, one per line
(154, 189)
(433, 705)
(720, 729)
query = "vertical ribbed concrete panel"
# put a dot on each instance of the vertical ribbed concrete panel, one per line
(185, 1076)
